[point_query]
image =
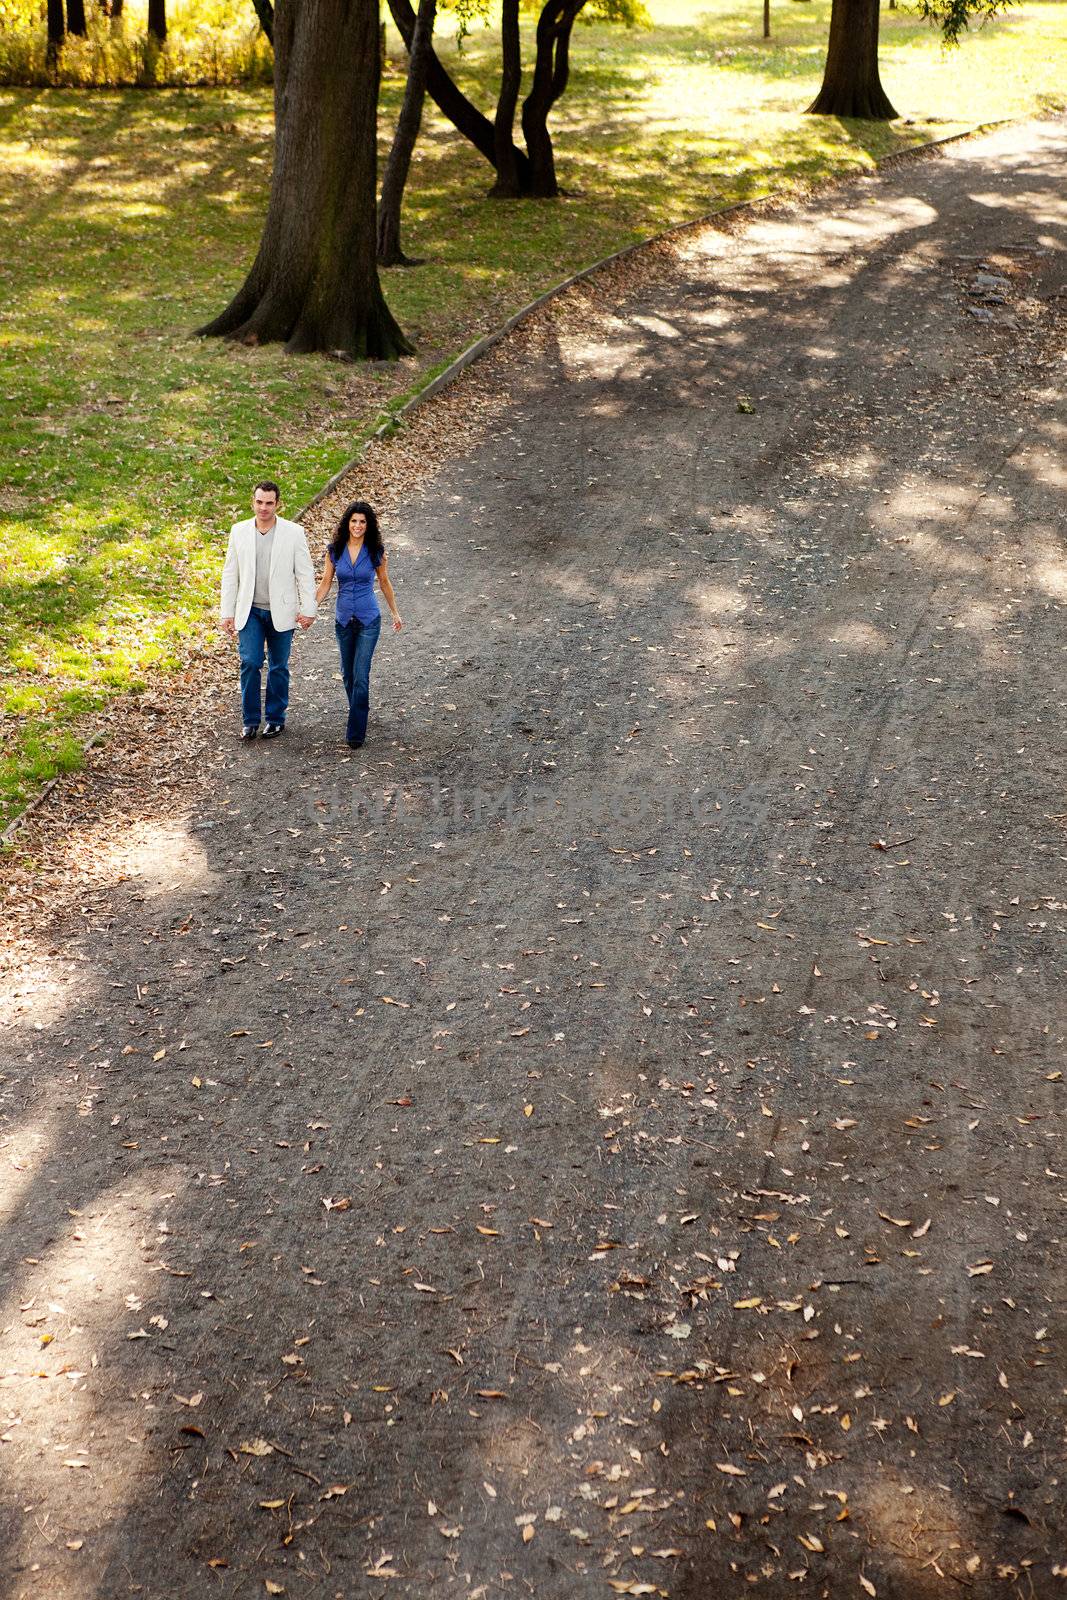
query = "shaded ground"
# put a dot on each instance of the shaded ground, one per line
(604, 1140)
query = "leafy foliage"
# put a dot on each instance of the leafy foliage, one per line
(953, 17)
(209, 43)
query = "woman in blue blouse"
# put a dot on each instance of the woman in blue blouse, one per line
(356, 554)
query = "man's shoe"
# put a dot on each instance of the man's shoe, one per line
(273, 729)
(250, 731)
(354, 744)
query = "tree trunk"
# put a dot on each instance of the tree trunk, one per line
(314, 284)
(507, 186)
(57, 32)
(76, 18)
(551, 71)
(851, 86)
(265, 16)
(157, 19)
(766, 19)
(407, 132)
(453, 103)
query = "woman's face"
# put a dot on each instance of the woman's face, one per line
(357, 526)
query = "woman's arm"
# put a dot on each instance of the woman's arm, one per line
(387, 589)
(324, 582)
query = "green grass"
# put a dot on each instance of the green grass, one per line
(131, 447)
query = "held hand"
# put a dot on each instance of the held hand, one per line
(227, 626)
(305, 622)
(397, 624)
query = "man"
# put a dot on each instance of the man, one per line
(268, 589)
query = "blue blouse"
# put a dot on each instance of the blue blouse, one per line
(356, 600)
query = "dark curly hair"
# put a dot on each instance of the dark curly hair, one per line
(372, 539)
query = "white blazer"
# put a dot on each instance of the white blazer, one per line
(292, 577)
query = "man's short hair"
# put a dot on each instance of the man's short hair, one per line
(269, 488)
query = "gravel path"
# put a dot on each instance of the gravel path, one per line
(604, 1139)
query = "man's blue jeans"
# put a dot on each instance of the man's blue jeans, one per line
(356, 641)
(259, 633)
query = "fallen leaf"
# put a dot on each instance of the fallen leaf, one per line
(255, 1447)
(730, 1470)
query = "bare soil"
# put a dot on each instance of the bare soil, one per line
(602, 1138)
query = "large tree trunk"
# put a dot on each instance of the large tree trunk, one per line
(407, 132)
(551, 71)
(507, 185)
(314, 284)
(851, 86)
(157, 19)
(57, 32)
(453, 103)
(76, 23)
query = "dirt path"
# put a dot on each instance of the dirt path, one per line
(605, 1139)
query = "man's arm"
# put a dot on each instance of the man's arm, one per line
(230, 577)
(305, 578)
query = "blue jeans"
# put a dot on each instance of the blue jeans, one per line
(258, 633)
(356, 641)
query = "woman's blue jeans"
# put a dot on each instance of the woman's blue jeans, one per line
(257, 635)
(356, 641)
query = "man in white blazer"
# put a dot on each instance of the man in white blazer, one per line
(268, 590)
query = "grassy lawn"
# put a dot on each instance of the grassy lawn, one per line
(130, 447)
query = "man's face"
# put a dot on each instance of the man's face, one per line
(265, 505)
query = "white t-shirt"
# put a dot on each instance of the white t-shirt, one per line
(264, 547)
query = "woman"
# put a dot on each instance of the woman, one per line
(356, 554)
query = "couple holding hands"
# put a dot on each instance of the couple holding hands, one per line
(269, 589)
